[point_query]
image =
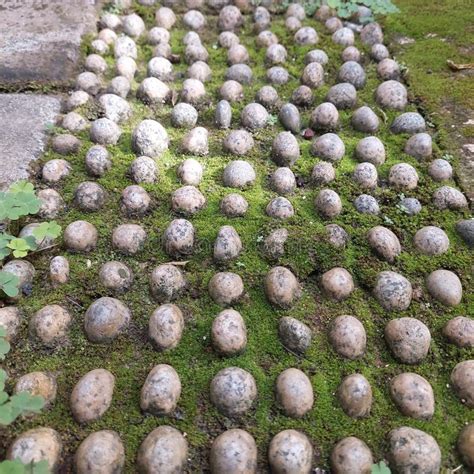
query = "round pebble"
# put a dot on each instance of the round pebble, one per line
(128, 238)
(165, 327)
(351, 455)
(281, 287)
(444, 286)
(290, 451)
(226, 288)
(229, 333)
(413, 396)
(355, 396)
(347, 336)
(328, 203)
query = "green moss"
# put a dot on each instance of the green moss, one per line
(307, 253)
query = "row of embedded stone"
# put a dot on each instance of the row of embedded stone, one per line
(165, 451)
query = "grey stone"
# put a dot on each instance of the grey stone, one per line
(289, 117)
(278, 75)
(392, 95)
(413, 396)
(379, 52)
(281, 287)
(239, 174)
(306, 36)
(50, 325)
(267, 96)
(283, 181)
(229, 333)
(184, 115)
(355, 396)
(365, 175)
(343, 36)
(231, 91)
(409, 122)
(285, 149)
(388, 69)
(465, 228)
(302, 96)
(409, 339)
(351, 455)
(233, 205)
(365, 120)
(280, 208)
(347, 336)
(167, 283)
(149, 138)
(276, 54)
(447, 197)
(223, 116)
(393, 291)
(328, 203)
(116, 276)
(313, 75)
(238, 142)
(254, 116)
(351, 53)
(353, 73)
(52, 204)
(324, 117)
(366, 204)
(431, 240)
(342, 95)
(266, 38)
(274, 243)
(105, 132)
(316, 56)
(294, 335)
(333, 24)
(41, 40)
(190, 172)
(294, 393)
(237, 54)
(328, 147)
(384, 242)
(23, 121)
(234, 451)
(371, 34)
(336, 235)
(410, 206)
(445, 286)
(187, 200)
(337, 283)
(226, 288)
(200, 71)
(440, 170)
(462, 379)
(227, 39)
(403, 176)
(178, 239)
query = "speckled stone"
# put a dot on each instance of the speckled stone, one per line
(290, 451)
(347, 336)
(444, 286)
(413, 396)
(294, 335)
(294, 393)
(355, 396)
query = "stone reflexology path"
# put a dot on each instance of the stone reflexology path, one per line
(265, 262)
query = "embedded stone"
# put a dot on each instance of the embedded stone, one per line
(465, 444)
(55, 170)
(458, 331)
(366, 204)
(365, 175)
(105, 319)
(294, 335)
(52, 204)
(445, 286)
(413, 450)
(370, 150)
(233, 452)
(336, 235)
(115, 276)
(379, 52)
(233, 205)
(323, 173)
(88, 82)
(164, 451)
(254, 116)
(343, 95)
(165, 18)
(200, 71)
(267, 96)
(431, 240)
(409, 339)
(149, 138)
(115, 108)
(289, 117)
(229, 333)
(302, 96)
(101, 452)
(462, 379)
(337, 283)
(347, 336)
(184, 116)
(194, 20)
(371, 34)
(274, 243)
(89, 196)
(355, 396)
(233, 391)
(316, 56)
(388, 69)
(153, 91)
(238, 142)
(278, 75)
(290, 451)
(409, 122)
(97, 161)
(161, 391)
(40, 384)
(187, 200)
(227, 245)
(413, 396)
(227, 39)
(135, 201)
(365, 120)
(440, 170)
(285, 149)
(280, 208)
(351, 455)
(80, 236)
(275, 54)
(313, 75)
(328, 203)
(143, 170)
(50, 325)
(239, 72)
(283, 181)
(410, 206)
(353, 73)
(351, 53)
(343, 36)
(128, 238)
(223, 116)
(91, 397)
(105, 132)
(190, 172)
(226, 288)
(447, 197)
(281, 287)
(294, 393)
(419, 146)
(384, 243)
(178, 239)
(165, 327)
(10, 321)
(167, 283)
(230, 18)
(403, 176)
(74, 122)
(328, 147)
(324, 117)
(24, 271)
(391, 95)
(393, 291)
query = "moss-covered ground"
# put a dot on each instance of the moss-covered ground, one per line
(307, 254)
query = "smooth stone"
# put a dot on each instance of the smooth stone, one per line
(55, 170)
(462, 380)
(91, 397)
(353, 73)
(388, 69)
(328, 147)
(88, 82)
(115, 276)
(333, 24)
(234, 452)
(355, 396)
(391, 95)
(365, 175)
(336, 235)
(403, 176)
(10, 320)
(413, 396)
(296, 10)
(183, 116)
(266, 38)
(229, 333)
(35, 445)
(281, 287)
(431, 240)
(409, 340)
(227, 245)
(294, 393)
(102, 452)
(347, 336)
(370, 150)
(316, 56)
(324, 117)
(290, 451)
(50, 325)
(42, 244)
(105, 319)
(323, 173)
(223, 116)
(365, 120)
(227, 39)
(285, 149)
(337, 283)
(128, 238)
(465, 444)
(267, 96)
(239, 72)
(274, 243)
(167, 283)
(342, 95)
(193, 91)
(239, 174)
(115, 108)
(24, 271)
(419, 146)
(328, 203)
(226, 288)
(280, 208)
(276, 54)
(190, 172)
(200, 71)
(413, 450)
(410, 206)
(447, 197)
(254, 116)
(74, 123)
(165, 327)
(135, 201)
(161, 391)
(52, 204)
(97, 161)
(163, 451)
(409, 122)
(233, 205)
(351, 455)
(233, 391)
(289, 117)
(458, 331)
(237, 54)
(313, 75)
(143, 170)
(40, 384)
(283, 181)
(104, 131)
(384, 243)
(302, 96)
(149, 138)
(165, 18)
(444, 286)
(440, 170)
(89, 196)
(238, 142)
(178, 238)
(80, 236)
(343, 36)
(351, 53)
(153, 91)
(294, 335)
(187, 200)
(277, 75)
(231, 91)
(393, 291)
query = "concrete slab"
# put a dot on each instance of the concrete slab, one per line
(40, 39)
(23, 124)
